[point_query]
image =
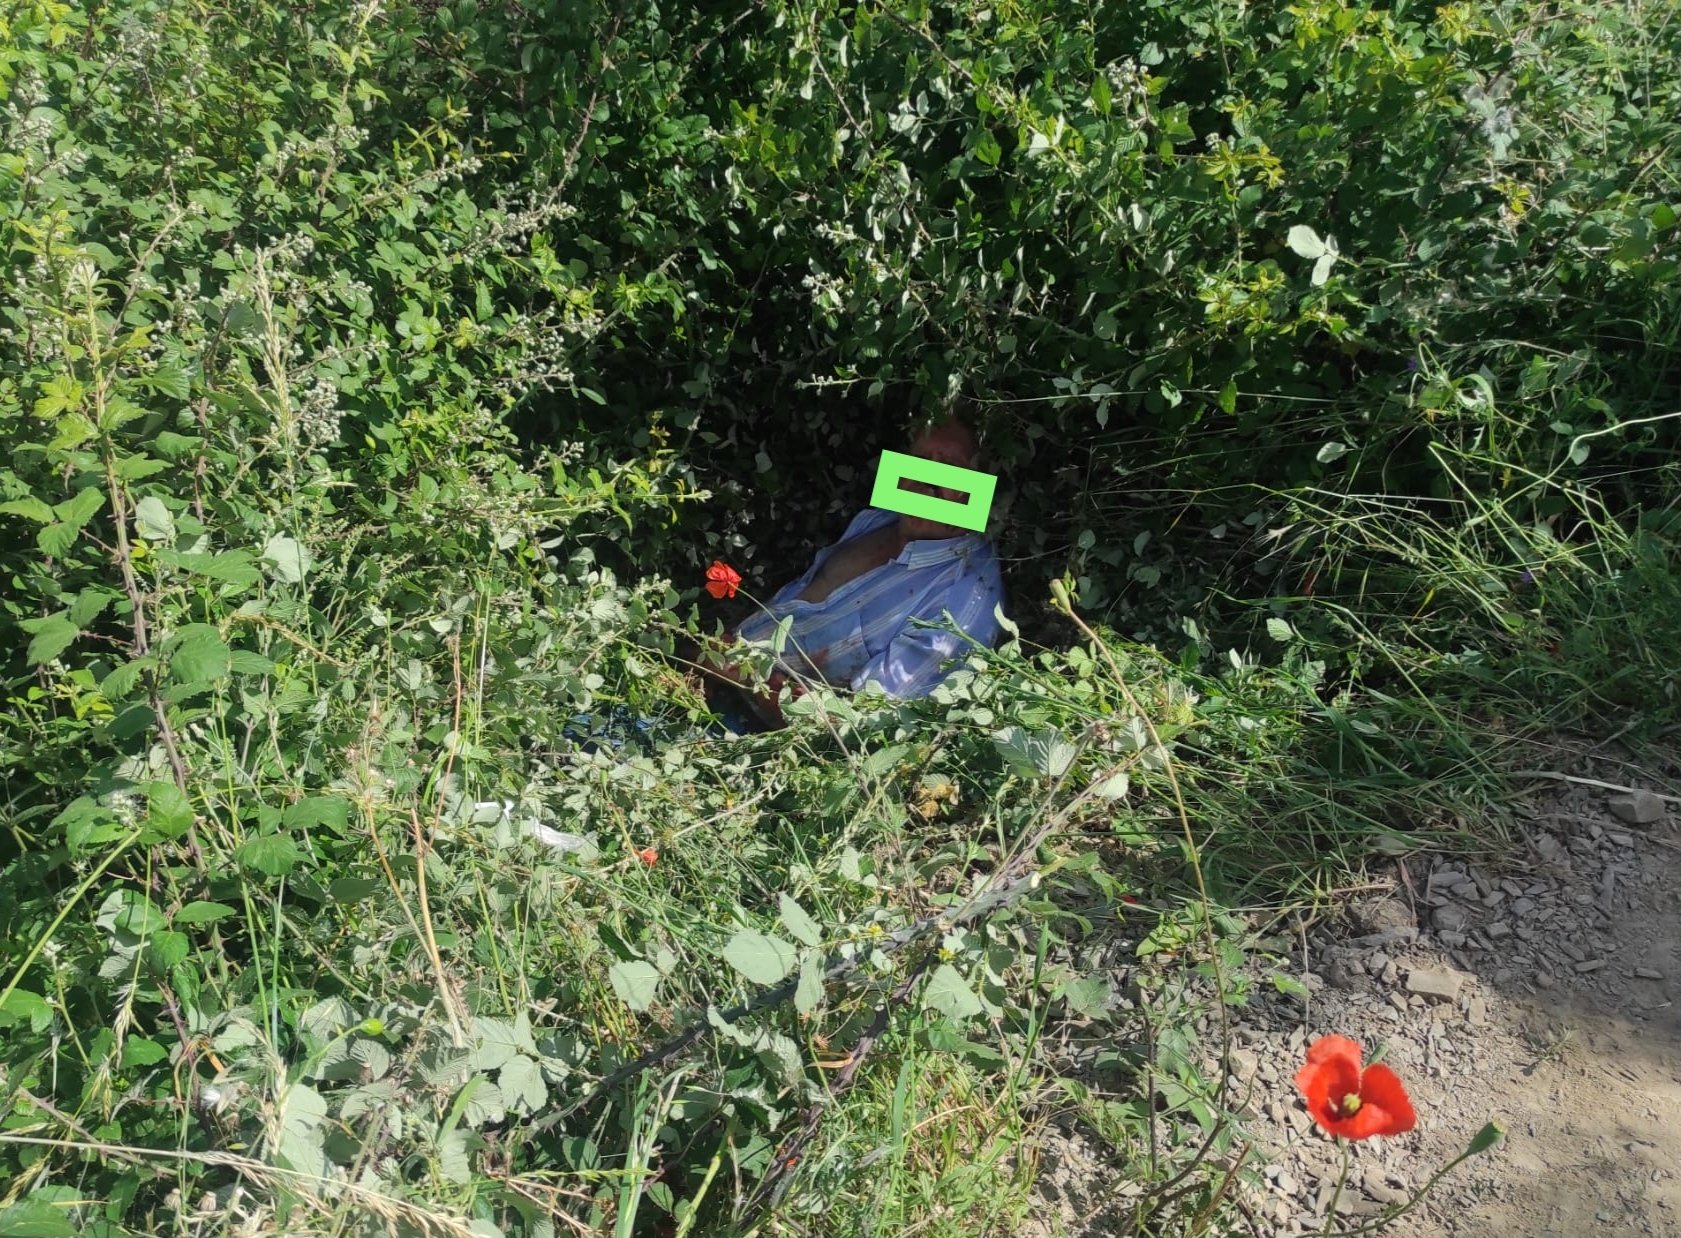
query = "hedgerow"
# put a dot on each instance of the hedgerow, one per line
(377, 380)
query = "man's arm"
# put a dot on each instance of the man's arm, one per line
(766, 704)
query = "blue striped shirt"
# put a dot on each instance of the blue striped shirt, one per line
(862, 632)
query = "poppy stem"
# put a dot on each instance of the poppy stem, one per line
(1336, 1195)
(1397, 1214)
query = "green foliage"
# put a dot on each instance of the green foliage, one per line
(369, 377)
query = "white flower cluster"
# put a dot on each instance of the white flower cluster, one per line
(319, 414)
(511, 222)
(1129, 90)
(825, 290)
(137, 42)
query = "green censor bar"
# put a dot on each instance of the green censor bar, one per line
(897, 467)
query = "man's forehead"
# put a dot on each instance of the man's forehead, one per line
(947, 436)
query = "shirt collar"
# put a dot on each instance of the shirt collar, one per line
(926, 552)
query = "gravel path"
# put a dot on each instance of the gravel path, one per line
(1542, 993)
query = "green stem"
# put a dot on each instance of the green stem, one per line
(1386, 1218)
(64, 912)
(1336, 1195)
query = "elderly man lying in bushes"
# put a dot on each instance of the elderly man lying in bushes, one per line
(853, 616)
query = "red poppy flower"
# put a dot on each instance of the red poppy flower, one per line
(648, 856)
(722, 580)
(1348, 1101)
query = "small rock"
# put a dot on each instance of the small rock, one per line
(1442, 985)
(1588, 965)
(1637, 808)
(1622, 840)
(1453, 941)
(1498, 929)
(1342, 976)
(1452, 918)
(1522, 906)
(1648, 973)
(1543, 980)
(1381, 915)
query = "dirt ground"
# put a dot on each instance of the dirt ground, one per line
(1542, 993)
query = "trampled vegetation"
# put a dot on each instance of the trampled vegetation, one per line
(378, 381)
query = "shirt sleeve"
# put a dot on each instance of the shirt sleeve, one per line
(912, 664)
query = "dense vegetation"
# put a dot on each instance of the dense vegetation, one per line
(378, 379)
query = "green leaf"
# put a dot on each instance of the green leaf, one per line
(485, 1103)
(760, 958)
(61, 393)
(1087, 996)
(21, 1005)
(808, 996)
(950, 994)
(30, 508)
(246, 662)
(521, 1081)
(138, 1051)
(120, 682)
(287, 558)
(1279, 630)
(634, 982)
(1114, 787)
(165, 948)
(1305, 241)
(201, 912)
(235, 567)
(798, 923)
(199, 656)
(33, 1218)
(137, 468)
(1228, 397)
(138, 916)
(73, 430)
(329, 810)
(1322, 268)
(1333, 450)
(154, 521)
(1289, 985)
(52, 637)
(170, 378)
(374, 1057)
(168, 810)
(499, 1042)
(89, 604)
(80, 507)
(273, 855)
(1035, 753)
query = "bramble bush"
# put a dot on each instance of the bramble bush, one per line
(377, 380)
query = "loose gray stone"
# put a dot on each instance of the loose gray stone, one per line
(1451, 918)
(1381, 915)
(1439, 985)
(1637, 808)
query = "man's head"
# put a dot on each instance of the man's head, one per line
(946, 442)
